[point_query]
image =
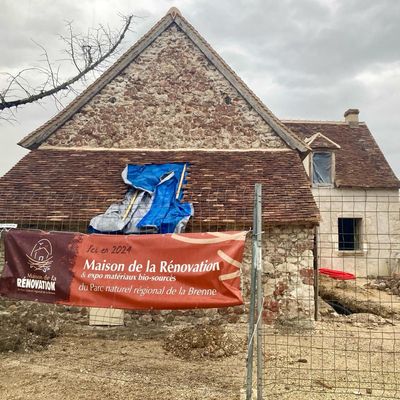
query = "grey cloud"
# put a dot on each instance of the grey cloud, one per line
(38, 21)
(305, 38)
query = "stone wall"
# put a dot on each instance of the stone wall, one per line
(1, 253)
(170, 97)
(288, 276)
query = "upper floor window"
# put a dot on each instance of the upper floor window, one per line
(322, 168)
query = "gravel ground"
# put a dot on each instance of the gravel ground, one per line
(355, 357)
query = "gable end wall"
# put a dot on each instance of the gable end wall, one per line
(170, 97)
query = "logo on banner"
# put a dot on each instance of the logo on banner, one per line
(41, 257)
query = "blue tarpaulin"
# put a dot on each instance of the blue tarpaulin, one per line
(153, 204)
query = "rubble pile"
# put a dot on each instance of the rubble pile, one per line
(390, 285)
(364, 320)
(197, 342)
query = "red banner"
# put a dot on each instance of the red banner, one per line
(194, 270)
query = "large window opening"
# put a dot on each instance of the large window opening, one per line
(322, 168)
(349, 233)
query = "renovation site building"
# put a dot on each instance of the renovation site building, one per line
(171, 98)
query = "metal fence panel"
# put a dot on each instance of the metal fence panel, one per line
(351, 350)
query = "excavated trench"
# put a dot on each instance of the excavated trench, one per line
(339, 307)
(347, 298)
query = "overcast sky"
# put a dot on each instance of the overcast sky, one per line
(306, 59)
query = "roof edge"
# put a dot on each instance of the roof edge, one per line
(317, 135)
(387, 187)
(190, 149)
(317, 122)
(39, 135)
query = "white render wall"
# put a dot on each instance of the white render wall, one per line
(380, 233)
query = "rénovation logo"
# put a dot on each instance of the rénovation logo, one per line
(41, 257)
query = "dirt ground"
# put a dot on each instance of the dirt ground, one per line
(49, 352)
(110, 364)
(340, 359)
(359, 296)
(355, 357)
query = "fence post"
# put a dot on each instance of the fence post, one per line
(260, 292)
(253, 277)
(316, 276)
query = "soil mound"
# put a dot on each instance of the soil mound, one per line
(26, 326)
(199, 342)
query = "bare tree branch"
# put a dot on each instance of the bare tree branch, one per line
(86, 53)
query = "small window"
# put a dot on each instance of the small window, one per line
(349, 234)
(322, 168)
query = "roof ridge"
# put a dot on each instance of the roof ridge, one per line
(310, 121)
(174, 12)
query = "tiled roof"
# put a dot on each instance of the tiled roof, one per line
(359, 161)
(75, 185)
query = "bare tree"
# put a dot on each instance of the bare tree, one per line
(87, 53)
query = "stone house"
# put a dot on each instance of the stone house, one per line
(172, 98)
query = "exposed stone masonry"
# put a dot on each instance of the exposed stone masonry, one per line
(170, 97)
(288, 276)
(1, 253)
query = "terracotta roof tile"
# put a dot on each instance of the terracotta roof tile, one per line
(70, 185)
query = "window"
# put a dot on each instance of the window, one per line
(349, 234)
(322, 168)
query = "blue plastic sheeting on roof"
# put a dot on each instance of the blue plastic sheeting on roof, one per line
(152, 205)
(166, 211)
(148, 177)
